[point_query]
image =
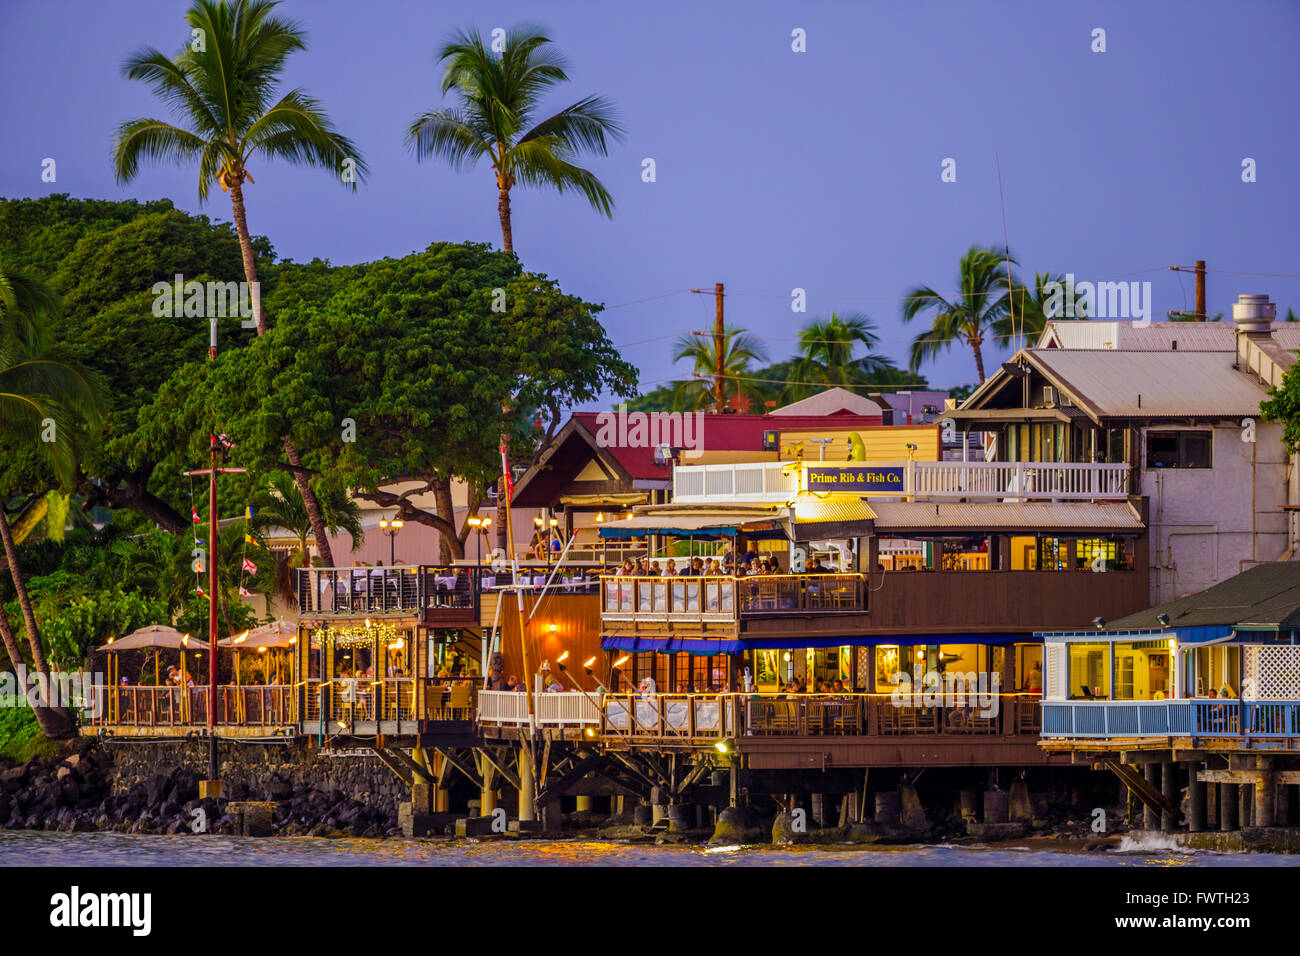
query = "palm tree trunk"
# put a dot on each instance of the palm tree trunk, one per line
(54, 722)
(311, 504)
(250, 275)
(979, 359)
(246, 250)
(503, 210)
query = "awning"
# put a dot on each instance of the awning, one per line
(1186, 636)
(822, 519)
(716, 524)
(671, 645)
(876, 640)
(1031, 517)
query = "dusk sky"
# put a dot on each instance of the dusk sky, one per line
(775, 169)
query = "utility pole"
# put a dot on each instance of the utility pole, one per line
(1200, 290)
(213, 783)
(718, 390)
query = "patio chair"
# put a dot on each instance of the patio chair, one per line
(459, 700)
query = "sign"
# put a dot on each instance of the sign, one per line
(858, 479)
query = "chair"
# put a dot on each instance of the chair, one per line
(459, 700)
(435, 697)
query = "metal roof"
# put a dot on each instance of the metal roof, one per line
(1121, 384)
(1267, 595)
(1044, 516)
(1155, 336)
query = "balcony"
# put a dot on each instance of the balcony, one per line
(780, 482)
(439, 595)
(701, 601)
(1129, 720)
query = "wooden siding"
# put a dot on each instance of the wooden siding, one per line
(577, 630)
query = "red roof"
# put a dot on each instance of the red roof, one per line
(721, 433)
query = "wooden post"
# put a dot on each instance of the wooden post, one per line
(1265, 797)
(1169, 787)
(1227, 807)
(1200, 290)
(719, 338)
(1195, 800)
(527, 805)
(1149, 819)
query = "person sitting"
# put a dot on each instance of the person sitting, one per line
(1213, 693)
(670, 569)
(697, 566)
(1034, 679)
(714, 569)
(627, 568)
(752, 568)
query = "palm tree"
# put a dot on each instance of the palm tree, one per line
(280, 505)
(498, 98)
(44, 400)
(1031, 308)
(826, 354)
(739, 350)
(981, 303)
(225, 93)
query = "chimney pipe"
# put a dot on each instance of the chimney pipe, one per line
(1253, 313)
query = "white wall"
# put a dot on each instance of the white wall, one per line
(1201, 519)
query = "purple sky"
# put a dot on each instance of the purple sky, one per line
(775, 169)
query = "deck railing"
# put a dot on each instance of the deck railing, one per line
(687, 717)
(722, 598)
(1101, 719)
(148, 706)
(778, 482)
(551, 709)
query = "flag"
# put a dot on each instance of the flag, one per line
(195, 515)
(249, 566)
(248, 513)
(248, 539)
(243, 591)
(198, 543)
(200, 592)
(198, 566)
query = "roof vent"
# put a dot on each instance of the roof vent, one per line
(1253, 313)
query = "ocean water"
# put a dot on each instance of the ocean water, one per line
(41, 848)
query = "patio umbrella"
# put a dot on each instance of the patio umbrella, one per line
(278, 635)
(156, 637)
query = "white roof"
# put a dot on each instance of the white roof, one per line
(1154, 336)
(1150, 384)
(829, 402)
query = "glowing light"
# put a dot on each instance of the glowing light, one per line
(553, 628)
(589, 662)
(563, 657)
(621, 661)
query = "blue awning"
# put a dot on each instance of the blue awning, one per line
(671, 645)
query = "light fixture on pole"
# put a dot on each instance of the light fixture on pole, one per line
(391, 528)
(482, 524)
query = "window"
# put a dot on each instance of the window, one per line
(1180, 449)
(1109, 554)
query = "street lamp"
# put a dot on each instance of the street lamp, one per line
(391, 528)
(551, 536)
(482, 524)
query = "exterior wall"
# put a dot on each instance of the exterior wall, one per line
(577, 630)
(1208, 524)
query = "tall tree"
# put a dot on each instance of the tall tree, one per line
(280, 505)
(499, 96)
(223, 85)
(740, 350)
(1032, 308)
(982, 301)
(45, 400)
(825, 357)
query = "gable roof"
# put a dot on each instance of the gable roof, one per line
(831, 401)
(1111, 383)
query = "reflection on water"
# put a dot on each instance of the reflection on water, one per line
(38, 848)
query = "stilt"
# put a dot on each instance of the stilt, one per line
(487, 801)
(1195, 800)
(1246, 805)
(1169, 787)
(527, 796)
(1149, 818)
(818, 805)
(1265, 802)
(1228, 799)
(1211, 805)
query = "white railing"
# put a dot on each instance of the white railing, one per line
(769, 482)
(779, 482)
(550, 709)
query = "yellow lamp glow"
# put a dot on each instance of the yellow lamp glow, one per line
(621, 661)
(589, 662)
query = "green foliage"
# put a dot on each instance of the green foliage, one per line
(740, 351)
(409, 351)
(1283, 405)
(499, 96)
(20, 736)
